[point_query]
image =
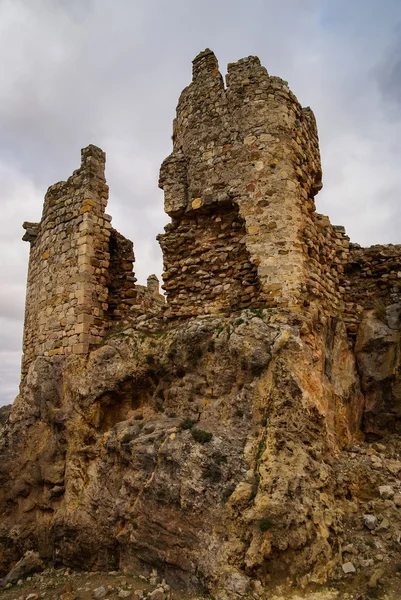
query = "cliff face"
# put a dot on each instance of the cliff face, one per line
(204, 450)
(236, 436)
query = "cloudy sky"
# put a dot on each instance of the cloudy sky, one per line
(109, 72)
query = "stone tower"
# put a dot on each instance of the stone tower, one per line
(69, 278)
(239, 187)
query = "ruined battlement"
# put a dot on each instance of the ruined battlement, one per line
(239, 187)
(80, 275)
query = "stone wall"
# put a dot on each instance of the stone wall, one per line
(207, 265)
(252, 146)
(121, 279)
(372, 280)
(69, 259)
(326, 249)
(239, 187)
(80, 275)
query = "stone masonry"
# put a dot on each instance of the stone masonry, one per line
(239, 187)
(80, 277)
(242, 177)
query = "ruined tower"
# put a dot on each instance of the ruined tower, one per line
(68, 297)
(239, 187)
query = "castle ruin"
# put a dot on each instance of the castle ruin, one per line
(239, 187)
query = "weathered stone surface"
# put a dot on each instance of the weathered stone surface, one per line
(242, 177)
(386, 491)
(216, 438)
(378, 350)
(4, 413)
(245, 384)
(348, 568)
(29, 563)
(370, 521)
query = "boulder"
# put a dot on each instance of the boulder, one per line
(29, 563)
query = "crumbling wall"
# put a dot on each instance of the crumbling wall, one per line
(148, 300)
(69, 258)
(372, 280)
(207, 265)
(80, 275)
(121, 279)
(239, 187)
(326, 249)
(249, 145)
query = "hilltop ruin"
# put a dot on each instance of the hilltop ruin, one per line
(210, 433)
(239, 187)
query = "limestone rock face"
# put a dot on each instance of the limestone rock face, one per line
(215, 436)
(203, 450)
(378, 349)
(4, 412)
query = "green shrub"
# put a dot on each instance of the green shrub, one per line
(160, 393)
(201, 436)
(187, 424)
(265, 525)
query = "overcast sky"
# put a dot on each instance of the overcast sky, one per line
(109, 72)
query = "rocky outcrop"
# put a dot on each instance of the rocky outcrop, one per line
(226, 435)
(4, 412)
(29, 563)
(378, 349)
(204, 450)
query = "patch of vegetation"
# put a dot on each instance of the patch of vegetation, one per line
(265, 524)
(261, 448)
(239, 322)
(159, 408)
(258, 312)
(187, 424)
(150, 359)
(239, 412)
(211, 346)
(201, 436)
(380, 310)
(160, 394)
